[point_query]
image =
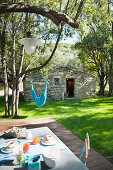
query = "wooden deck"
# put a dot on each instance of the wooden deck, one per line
(95, 161)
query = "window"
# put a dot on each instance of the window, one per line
(56, 81)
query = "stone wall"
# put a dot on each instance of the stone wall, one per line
(84, 84)
(36, 77)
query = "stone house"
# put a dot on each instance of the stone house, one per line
(75, 84)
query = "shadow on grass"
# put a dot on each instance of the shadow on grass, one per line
(3, 116)
(61, 108)
(10, 117)
(75, 102)
(20, 117)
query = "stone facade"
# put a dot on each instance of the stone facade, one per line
(83, 84)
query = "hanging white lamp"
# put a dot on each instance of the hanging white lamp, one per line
(110, 6)
(29, 43)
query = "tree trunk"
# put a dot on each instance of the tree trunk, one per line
(101, 85)
(14, 77)
(13, 99)
(110, 77)
(17, 97)
(5, 76)
(111, 69)
(19, 81)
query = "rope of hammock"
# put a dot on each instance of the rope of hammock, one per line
(43, 77)
(40, 83)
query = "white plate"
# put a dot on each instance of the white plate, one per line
(52, 142)
(4, 150)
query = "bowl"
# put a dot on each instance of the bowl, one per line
(51, 156)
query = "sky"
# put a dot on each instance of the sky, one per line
(73, 40)
(70, 40)
(76, 38)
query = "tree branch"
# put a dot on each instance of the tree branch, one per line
(93, 57)
(79, 9)
(67, 6)
(56, 17)
(47, 61)
(74, 5)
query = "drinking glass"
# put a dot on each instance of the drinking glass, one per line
(35, 140)
(26, 147)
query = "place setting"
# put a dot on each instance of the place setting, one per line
(48, 140)
(29, 151)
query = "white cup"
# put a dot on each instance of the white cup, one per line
(28, 134)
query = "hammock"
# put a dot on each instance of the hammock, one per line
(39, 101)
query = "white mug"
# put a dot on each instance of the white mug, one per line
(28, 134)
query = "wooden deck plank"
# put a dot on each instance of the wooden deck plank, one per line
(95, 160)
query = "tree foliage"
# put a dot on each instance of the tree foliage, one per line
(94, 14)
(95, 54)
(97, 17)
(65, 56)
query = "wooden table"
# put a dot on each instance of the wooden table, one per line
(68, 160)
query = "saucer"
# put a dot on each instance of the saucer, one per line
(10, 147)
(6, 149)
(53, 141)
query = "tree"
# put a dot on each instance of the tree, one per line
(59, 18)
(95, 55)
(96, 14)
(4, 65)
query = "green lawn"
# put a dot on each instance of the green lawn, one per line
(93, 115)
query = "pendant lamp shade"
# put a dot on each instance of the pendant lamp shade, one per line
(30, 44)
(111, 6)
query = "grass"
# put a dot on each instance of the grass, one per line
(93, 115)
